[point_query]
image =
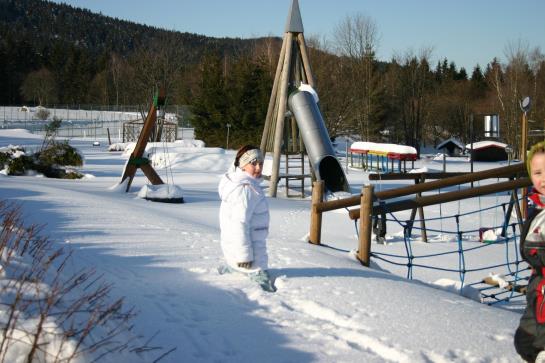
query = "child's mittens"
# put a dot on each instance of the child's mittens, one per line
(245, 264)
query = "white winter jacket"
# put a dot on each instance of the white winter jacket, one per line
(244, 220)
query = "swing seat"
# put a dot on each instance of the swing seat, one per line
(162, 193)
(165, 200)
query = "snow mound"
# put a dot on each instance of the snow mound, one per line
(190, 143)
(118, 146)
(456, 287)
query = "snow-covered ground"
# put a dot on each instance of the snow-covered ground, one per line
(328, 308)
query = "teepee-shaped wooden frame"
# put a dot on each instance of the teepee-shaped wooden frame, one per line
(293, 69)
(137, 159)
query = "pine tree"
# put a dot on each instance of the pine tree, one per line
(478, 83)
(209, 109)
(249, 90)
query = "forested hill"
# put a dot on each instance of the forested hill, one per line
(36, 34)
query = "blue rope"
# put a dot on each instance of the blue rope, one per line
(461, 257)
(408, 248)
(516, 259)
(513, 266)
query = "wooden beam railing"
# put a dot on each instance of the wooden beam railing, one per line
(418, 202)
(506, 171)
(368, 206)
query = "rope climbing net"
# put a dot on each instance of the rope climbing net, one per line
(456, 250)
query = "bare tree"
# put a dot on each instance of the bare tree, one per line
(39, 86)
(156, 66)
(99, 87)
(413, 86)
(537, 66)
(356, 40)
(334, 90)
(116, 66)
(511, 82)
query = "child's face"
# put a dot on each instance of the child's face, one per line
(254, 169)
(537, 166)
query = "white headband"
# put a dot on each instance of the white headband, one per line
(249, 156)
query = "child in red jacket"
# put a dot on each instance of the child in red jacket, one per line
(530, 335)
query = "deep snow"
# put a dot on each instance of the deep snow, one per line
(328, 307)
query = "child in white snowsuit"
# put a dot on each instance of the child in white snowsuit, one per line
(244, 217)
(530, 335)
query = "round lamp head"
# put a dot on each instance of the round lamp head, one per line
(525, 104)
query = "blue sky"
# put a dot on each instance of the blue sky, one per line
(464, 31)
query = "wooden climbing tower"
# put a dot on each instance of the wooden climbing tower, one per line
(281, 137)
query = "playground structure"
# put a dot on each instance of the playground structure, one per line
(384, 154)
(321, 154)
(374, 205)
(302, 130)
(167, 130)
(137, 159)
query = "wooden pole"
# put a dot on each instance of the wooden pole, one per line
(423, 232)
(523, 157)
(421, 215)
(109, 139)
(304, 57)
(366, 208)
(513, 203)
(272, 101)
(280, 117)
(151, 174)
(316, 216)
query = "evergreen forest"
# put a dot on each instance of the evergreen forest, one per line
(55, 54)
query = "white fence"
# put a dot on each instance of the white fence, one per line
(81, 123)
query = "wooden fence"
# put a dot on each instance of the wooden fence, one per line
(372, 203)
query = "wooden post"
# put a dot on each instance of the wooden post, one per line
(523, 157)
(109, 139)
(512, 201)
(366, 207)
(315, 215)
(280, 117)
(421, 214)
(304, 56)
(272, 101)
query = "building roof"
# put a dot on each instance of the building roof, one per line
(486, 143)
(452, 140)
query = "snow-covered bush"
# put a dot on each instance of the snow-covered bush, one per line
(59, 153)
(14, 160)
(52, 161)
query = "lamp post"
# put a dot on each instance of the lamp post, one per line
(227, 142)
(471, 136)
(525, 106)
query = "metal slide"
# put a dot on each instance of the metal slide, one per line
(304, 107)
